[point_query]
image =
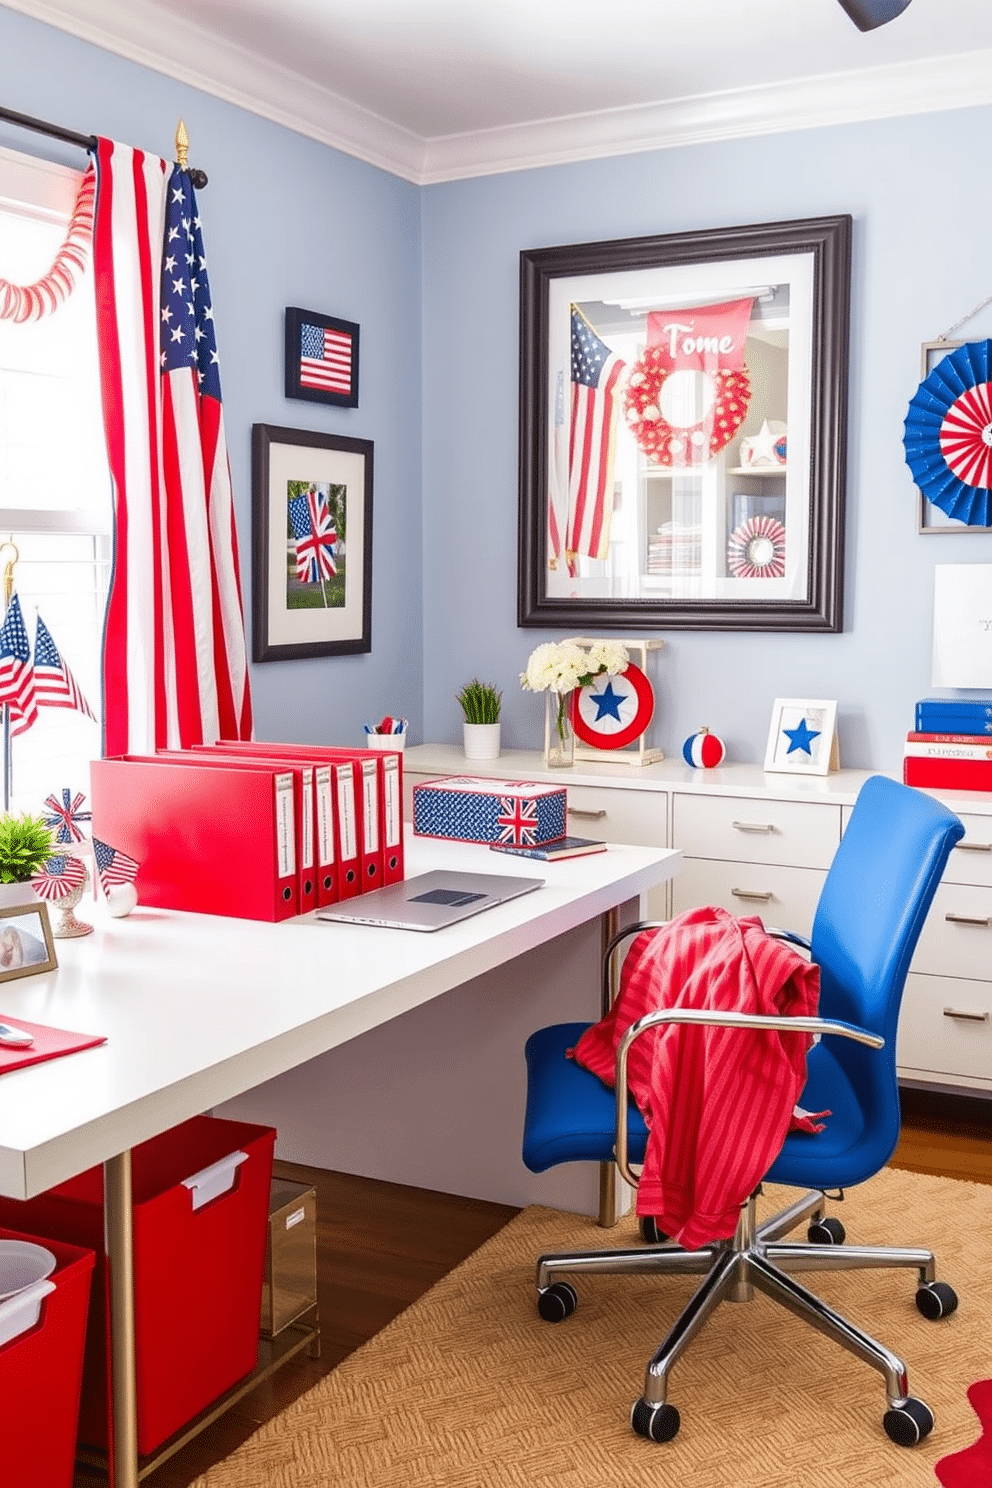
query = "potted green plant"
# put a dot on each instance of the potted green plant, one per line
(480, 703)
(25, 844)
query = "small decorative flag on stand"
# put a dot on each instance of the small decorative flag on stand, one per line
(113, 866)
(58, 877)
(16, 671)
(66, 815)
(315, 535)
(54, 684)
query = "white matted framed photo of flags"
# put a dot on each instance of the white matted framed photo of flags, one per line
(311, 544)
(802, 737)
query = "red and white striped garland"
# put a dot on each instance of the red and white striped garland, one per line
(20, 302)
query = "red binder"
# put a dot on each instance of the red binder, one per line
(304, 807)
(378, 809)
(947, 774)
(206, 839)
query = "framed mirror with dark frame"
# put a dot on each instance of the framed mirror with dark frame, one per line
(683, 404)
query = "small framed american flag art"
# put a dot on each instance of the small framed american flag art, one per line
(321, 358)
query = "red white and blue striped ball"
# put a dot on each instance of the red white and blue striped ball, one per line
(703, 750)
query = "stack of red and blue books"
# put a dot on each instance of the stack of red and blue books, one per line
(951, 746)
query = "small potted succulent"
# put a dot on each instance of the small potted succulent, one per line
(480, 703)
(25, 845)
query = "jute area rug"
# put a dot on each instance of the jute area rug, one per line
(469, 1388)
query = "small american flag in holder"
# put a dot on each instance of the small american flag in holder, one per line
(58, 877)
(113, 866)
(321, 358)
(517, 821)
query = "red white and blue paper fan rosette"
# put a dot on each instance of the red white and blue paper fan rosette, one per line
(613, 711)
(59, 876)
(948, 434)
(756, 549)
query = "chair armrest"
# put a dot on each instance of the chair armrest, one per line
(789, 935)
(717, 1019)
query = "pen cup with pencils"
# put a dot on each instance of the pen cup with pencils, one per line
(388, 733)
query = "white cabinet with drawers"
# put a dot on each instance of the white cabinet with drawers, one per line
(761, 844)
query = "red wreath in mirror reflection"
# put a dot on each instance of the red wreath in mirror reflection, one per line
(668, 444)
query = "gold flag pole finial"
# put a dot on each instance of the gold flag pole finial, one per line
(8, 569)
(182, 146)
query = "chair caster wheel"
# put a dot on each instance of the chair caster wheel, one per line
(659, 1423)
(557, 1302)
(936, 1300)
(909, 1423)
(826, 1231)
(650, 1232)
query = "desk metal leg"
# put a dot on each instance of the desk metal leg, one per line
(118, 1240)
(609, 925)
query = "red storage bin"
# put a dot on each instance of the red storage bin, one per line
(41, 1371)
(199, 1256)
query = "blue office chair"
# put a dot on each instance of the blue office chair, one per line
(868, 920)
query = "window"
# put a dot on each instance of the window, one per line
(55, 498)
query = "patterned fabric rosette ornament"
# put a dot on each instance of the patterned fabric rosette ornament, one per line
(65, 816)
(756, 549)
(61, 882)
(676, 422)
(948, 434)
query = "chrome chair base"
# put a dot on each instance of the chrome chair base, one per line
(732, 1269)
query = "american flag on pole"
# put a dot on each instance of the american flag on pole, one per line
(315, 535)
(326, 359)
(16, 671)
(175, 661)
(54, 684)
(517, 821)
(113, 866)
(596, 374)
(59, 876)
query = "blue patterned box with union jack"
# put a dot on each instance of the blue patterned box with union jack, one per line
(470, 809)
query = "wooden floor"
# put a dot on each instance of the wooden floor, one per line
(380, 1246)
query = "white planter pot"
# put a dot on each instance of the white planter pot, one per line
(480, 741)
(13, 894)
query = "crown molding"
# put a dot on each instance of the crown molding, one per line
(941, 83)
(141, 32)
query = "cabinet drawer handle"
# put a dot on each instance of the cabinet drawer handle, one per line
(974, 847)
(589, 815)
(763, 894)
(752, 826)
(967, 1017)
(955, 919)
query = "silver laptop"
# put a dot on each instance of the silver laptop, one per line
(430, 900)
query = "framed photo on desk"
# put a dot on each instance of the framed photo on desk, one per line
(26, 944)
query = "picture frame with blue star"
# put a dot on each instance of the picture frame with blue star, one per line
(802, 737)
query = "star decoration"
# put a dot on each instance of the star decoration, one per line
(801, 737)
(608, 703)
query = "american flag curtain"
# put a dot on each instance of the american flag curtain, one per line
(596, 374)
(175, 669)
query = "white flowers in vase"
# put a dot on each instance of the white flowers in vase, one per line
(562, 666)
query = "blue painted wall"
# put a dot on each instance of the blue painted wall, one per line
(921, 222)
(432, 278)
(286, 222)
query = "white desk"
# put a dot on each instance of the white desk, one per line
(198, 1009)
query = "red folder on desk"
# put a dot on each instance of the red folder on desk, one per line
(303, 812)
(206, 839)
(49, 1043)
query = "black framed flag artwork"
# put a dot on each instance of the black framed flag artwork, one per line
(321, 358)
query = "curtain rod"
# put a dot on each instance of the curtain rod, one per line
(85, 141)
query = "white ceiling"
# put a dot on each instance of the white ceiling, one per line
(437, 89)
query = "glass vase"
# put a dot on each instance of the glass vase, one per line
(559, 738)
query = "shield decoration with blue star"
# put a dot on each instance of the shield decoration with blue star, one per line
(613, 711)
